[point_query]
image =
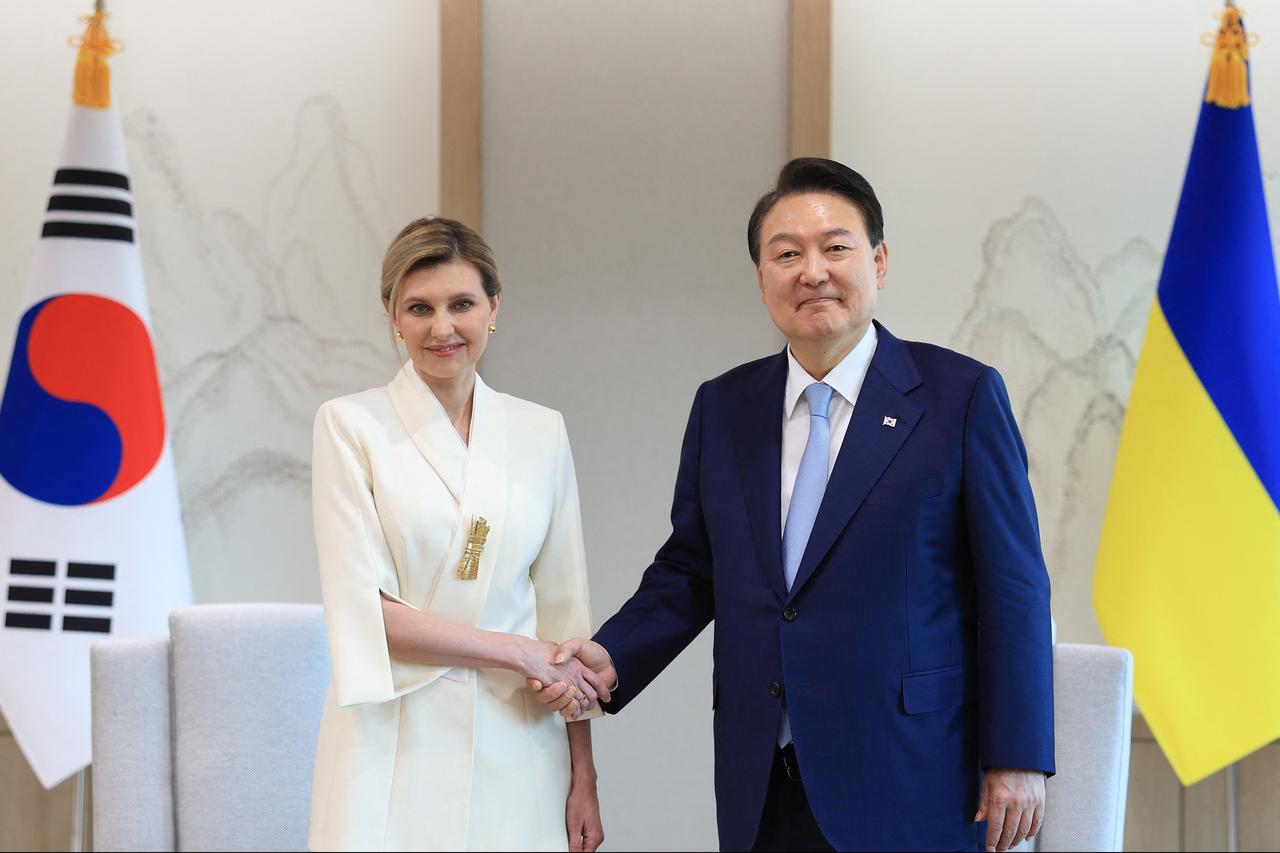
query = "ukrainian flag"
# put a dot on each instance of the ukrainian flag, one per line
(1188, 569)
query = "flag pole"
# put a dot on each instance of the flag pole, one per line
(80, 787)
(78, 808)
(1233, 807)
(1233, 772)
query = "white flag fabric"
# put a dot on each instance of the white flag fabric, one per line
(91, 537)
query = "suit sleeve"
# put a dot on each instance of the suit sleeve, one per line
(675, 600)
(356, 569)
(1015, 654)
(559, 573)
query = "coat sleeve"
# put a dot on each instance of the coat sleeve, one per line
(1015, 653)
(356, 568)
(559, 573)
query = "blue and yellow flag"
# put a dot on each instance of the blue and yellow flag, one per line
(1188, 571)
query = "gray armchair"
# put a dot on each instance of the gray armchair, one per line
(1093, 718)
(206, 741)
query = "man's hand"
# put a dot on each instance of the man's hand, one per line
(1013, 806)
(543, 662)
(557, 696)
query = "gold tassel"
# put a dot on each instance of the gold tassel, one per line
(469, 565)
(93, 74)
(1228, 73)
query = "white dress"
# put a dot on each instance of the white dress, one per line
(418, 757)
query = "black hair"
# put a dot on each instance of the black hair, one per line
(818, 175)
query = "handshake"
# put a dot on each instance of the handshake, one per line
(570, 677)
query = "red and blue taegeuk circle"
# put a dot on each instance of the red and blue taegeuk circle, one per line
(82, 420)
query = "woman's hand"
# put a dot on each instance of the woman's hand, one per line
(582, 686)
(582, 815)
(558, 696)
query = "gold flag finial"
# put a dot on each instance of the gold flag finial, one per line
(469, 565)
(93, 74)
(1229, 70)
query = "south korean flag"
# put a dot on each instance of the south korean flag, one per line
(91, 540)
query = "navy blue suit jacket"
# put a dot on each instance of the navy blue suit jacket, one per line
(913, 649)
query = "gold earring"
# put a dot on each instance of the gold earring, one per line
(492, 328)
(399, 337)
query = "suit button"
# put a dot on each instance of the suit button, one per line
(775, 689)
(789, 614)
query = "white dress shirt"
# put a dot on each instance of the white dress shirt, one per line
(846, 381)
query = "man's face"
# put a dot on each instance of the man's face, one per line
(819, 276)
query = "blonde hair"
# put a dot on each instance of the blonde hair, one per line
(430, 242)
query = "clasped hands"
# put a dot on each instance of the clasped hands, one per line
(573, 676)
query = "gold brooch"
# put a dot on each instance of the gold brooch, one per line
(469, 565)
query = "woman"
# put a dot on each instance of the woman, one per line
(451, 558)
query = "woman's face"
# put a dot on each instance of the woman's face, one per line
(443, 315)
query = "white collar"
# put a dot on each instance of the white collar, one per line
(845, 378)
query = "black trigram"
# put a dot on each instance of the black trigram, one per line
(33, 589)
(91, 204)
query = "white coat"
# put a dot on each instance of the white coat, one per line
(418, 757)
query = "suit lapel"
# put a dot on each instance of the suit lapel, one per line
(428, 426)
(476, 474)
(869, 446)
(758, 440)
(484, 496)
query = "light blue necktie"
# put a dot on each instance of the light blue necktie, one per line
(806, 497)
(811, 481)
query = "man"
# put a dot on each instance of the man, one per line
(855, 515)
